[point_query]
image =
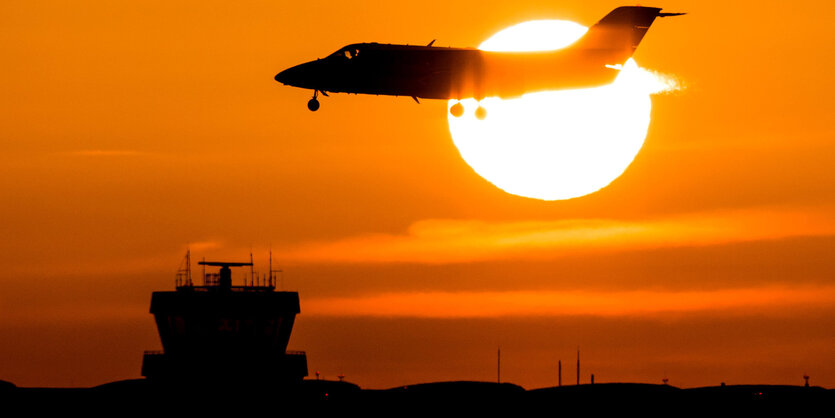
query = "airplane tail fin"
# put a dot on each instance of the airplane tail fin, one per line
(618, 34)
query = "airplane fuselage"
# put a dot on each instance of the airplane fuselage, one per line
(448, 73)
(429, 72)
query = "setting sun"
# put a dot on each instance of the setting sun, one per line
(556, 145)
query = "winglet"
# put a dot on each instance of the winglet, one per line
(433, 41)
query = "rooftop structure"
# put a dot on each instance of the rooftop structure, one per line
(225, 332)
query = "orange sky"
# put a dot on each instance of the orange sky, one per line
(129, 131)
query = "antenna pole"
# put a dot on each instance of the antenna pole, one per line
(273, 278)
(251, 269)
(188, 267)
(179, 273)
(578, 366)
(184, 271)
(559, 372)
(499, 365)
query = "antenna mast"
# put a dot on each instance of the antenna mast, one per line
(251, 269)
(273, 277)
(184, 272)
(499, 365)
(188, 267)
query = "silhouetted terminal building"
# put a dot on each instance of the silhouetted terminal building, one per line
(218, 332)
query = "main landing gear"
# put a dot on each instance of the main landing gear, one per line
(457, 110)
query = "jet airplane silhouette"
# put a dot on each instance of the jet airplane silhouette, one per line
(430, 72)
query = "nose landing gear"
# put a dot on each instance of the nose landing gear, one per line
(313, 104)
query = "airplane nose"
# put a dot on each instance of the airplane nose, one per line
(303, 75)
(307, 75)
(293, 76)
(282, 77)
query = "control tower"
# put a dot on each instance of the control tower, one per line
(220, 332)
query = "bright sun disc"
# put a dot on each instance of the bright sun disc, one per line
(558, 144)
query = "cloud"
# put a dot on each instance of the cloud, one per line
(205, 245)
(458, 241)
(66, 313)
(107, 153)
(559, 303)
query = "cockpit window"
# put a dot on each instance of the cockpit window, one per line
(346, 53)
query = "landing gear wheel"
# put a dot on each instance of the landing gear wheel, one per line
(481, 113)
(456, 110)
(313, 105)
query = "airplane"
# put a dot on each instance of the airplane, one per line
(445, 73)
